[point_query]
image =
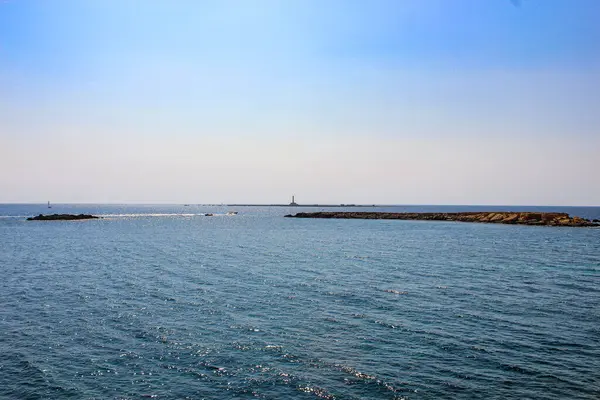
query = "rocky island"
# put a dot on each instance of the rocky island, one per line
(62, 217)
(495, 217)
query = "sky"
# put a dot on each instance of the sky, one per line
(335, 101)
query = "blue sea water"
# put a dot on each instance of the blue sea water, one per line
(163, 302)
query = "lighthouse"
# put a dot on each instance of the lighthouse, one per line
(293, 203)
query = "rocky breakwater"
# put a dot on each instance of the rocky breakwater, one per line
(62, 217)
(494, 217)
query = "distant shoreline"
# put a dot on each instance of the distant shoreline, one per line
(305, 205)
(516, 205)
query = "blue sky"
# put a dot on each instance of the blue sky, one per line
(404, 101)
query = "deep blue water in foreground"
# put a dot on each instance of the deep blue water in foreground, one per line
(160, 302)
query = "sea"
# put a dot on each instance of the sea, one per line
(164, 302)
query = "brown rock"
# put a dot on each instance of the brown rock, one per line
(61, 217)
(524, 218)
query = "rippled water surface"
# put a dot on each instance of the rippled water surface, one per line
(163, 302)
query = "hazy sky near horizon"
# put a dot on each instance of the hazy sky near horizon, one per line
(335, 101)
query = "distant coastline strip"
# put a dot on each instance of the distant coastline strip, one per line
(496, 217)
(302, 205)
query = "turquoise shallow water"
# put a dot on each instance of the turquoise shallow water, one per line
(161, 302)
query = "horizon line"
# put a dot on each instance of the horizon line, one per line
(298, 205)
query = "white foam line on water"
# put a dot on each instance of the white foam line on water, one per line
(159, 215)
(151, 215)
